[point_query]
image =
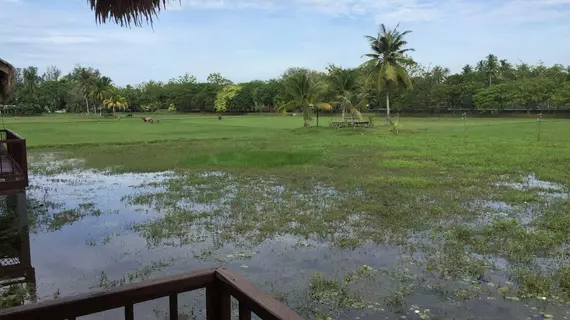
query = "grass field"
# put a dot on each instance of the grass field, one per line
(481, 216)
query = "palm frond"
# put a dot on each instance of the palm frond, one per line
(323, 106)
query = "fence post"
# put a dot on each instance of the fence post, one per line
(218, 303)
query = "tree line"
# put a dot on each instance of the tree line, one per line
(389, 80)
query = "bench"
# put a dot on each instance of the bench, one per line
(348, 123)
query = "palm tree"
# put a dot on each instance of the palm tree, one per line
(85, 82)
(467, 69)
(491, 67)
(481, 66)
(101, 90)
(345, 84)
(439, 74)
(31, 80)
(388, 61)
(115, 102)
(303, 91)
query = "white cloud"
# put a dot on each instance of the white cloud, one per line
(259, 38)
(393, 11)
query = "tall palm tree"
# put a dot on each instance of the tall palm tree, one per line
(303, 91)
(85, 82)
(115, 102)
(102, 89)
(388, 61)
(491, 67)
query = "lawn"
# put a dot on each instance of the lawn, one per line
(455, 203)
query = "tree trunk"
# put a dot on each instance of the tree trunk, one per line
(343, 107)
(388, 107)
(101, 111)
(490, 81)
(114, 111)
(87, 104)
(306, 113)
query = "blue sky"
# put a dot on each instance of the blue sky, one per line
(259, 39)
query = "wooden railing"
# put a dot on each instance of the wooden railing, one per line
(13, 161)
(220, 284)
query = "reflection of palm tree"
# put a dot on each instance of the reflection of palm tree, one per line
(303, 91)
(388, 60)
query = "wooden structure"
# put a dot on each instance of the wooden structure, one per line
(221, 284)
(13, 163)
(351, 123)
(15, 258)
(7, 74)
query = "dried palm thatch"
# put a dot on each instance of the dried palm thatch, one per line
(7, 74)
(126, 12)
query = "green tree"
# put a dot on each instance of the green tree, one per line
(217, 79)
(225, 95)
(346, 87)
(31, 83)
(561, 96)
(388, 61)
(493, 98)
(85, 78)
(115, 102)
(302, 91)
(491, 67)
(102, 89)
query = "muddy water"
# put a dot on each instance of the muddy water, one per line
(99, 249)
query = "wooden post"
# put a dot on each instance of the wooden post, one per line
(218, 303)
(539, 120)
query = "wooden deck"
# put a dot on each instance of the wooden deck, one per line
(13, 163)
(221, 284)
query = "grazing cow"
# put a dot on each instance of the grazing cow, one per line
(130, 115)
(147, 119)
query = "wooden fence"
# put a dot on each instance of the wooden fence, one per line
(220, 284)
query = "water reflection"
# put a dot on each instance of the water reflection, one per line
(17, 275)
(81, 226)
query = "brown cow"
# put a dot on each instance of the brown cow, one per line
(147, 119)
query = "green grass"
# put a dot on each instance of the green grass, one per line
(419, 180)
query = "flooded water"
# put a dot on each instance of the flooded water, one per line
(96, 230)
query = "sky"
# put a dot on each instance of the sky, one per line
(259, 39)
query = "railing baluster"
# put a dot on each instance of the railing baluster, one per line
(244, 312)
(218, 303)
(129, 312)
(173, 302)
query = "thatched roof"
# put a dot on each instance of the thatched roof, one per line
(7, 73)
(126, 12)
